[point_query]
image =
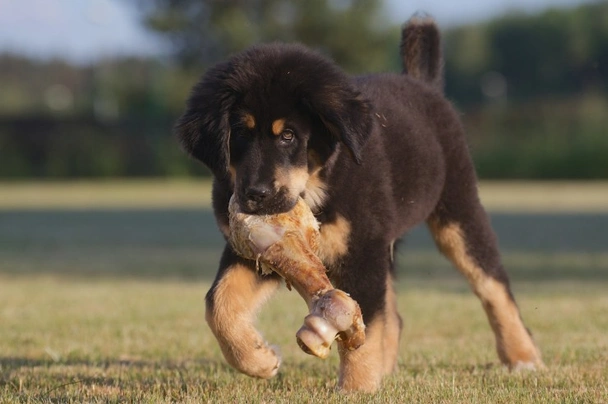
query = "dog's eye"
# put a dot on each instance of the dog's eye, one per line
(287, 136)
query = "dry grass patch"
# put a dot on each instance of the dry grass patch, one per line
(498, 196)
(545, 197)
(108, 194)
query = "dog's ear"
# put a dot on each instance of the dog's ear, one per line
(204, 129)
(346, 115)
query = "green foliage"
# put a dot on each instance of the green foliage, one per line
(50, 147)
(533, 88)
(556, 53)
(353, 32)
(545, 139)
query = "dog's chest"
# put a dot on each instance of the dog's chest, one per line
(334, 237)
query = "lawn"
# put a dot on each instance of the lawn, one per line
(102, 286)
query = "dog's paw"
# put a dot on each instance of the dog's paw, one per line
(528, 366)
(263, 361)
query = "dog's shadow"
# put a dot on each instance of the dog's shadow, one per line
(44, 378)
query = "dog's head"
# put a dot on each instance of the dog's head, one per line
(269, 120)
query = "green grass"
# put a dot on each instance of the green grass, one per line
(78, 340)
(105, 304)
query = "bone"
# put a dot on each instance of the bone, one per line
(334, 315)
(286, 243)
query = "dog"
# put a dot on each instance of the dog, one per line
(373, 156)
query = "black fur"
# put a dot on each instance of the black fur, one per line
(388, 149)
(421, 51)
(270, 72)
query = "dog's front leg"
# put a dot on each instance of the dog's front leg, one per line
(232, 303)
(369, 282)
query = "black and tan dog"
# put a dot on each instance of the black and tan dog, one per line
(373, 156)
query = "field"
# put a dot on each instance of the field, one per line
(102, 287)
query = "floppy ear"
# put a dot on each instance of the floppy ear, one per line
(346, 115)
(204, 130)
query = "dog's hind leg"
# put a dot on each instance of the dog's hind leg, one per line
(232, 303)
(462, 232)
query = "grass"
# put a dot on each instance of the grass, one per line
(137, 194)
(103, 302)
(523, 196)
(137, 340)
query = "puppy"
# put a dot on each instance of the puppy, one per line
(373, 156)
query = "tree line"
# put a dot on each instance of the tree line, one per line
(532, 88)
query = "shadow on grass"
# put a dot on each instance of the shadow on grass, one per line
(536, 267)
(185, 244)
(11, 363)
(76, 378)
(460, 368)
(79, 379)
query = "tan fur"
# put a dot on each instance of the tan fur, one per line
(392, 328)
(293, 178)
(298, 180)
(315, 191)
(249, 120)
(278, 126)
(333, 240)
(236, 300)
(451, 242)
(362, 369)
(513, 342)
(232, 172)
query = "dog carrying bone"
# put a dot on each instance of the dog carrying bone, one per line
(284, 132)
(286, 243)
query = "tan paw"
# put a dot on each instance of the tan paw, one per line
(522, 356)
(263, 361)
(533, 365)
(367, 385)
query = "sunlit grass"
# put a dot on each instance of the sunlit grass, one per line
(105, 194)
(102, 300)
(544, 197)
(75, 340)
(504, 196)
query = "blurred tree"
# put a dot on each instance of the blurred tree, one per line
(560, 52)
(533, 88)
(27, 85)
(353, 32)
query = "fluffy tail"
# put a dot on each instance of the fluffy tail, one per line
(421, 51)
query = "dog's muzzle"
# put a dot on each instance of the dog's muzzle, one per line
(264, 200)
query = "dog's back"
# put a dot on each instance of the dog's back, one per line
(417, 126)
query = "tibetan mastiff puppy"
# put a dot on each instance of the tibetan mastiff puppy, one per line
(373, 156)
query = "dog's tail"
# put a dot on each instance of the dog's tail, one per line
(421, 51)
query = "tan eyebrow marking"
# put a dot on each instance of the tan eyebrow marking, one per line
(278, 126)
(249, 120)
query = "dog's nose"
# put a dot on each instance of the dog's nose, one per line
(258, 193)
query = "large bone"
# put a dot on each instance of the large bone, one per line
(286, 243)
